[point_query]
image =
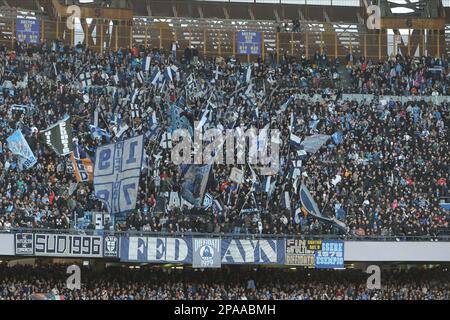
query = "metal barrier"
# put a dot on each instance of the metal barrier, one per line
(437, 100)
(218, 38)
(347, 237)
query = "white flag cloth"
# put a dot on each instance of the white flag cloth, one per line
(249, 74)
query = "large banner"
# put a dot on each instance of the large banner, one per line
(83, 169)
(180, 250)
(240, 251)
(249, 42)
(206, 253)
(19, 146)
(59, 137)
(59, 245)
(156, 250)
(28, 30)
(315, 253)
(117, 170)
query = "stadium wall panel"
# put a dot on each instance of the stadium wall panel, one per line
(6, 244)
(367, 251)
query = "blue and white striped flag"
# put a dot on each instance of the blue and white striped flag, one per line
(295, 141)
(140, 77)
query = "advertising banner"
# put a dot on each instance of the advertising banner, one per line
(28, 30)
(24, 244)
(315, 253)
(331, 255)
(249, 42)
(297, 253)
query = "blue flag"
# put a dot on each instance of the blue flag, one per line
(337, 137)
(97, 132)
(178, 121)
(19, 146)
(194, 185)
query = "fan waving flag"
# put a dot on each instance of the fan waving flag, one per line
(83, 168)
(310, 206)
(85, 79)
(194, 185)
(59, 137)
(308, 202)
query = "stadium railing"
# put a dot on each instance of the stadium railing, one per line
(218, 37)
(347, 237)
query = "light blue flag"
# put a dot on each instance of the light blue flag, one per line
(177, 121)
(19, 146)
(248, 76)
(97, 132)
(337, 137)
(313, 143)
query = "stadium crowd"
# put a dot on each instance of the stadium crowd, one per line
(384, 176)
(115, 283)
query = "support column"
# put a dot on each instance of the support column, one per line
(379, 45)
(145, 37)
(101, 37)
(438, 43)
(292, 43)
(43, 30)
(233, 45)
(262, 47)
(204, 43)
(117, 36)
(131, 36)
(335, 46)
(278, 48)
(219, 45)
(409, 42)
(365, 46)
(13, 32)
(321, 42)
(306, 45)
